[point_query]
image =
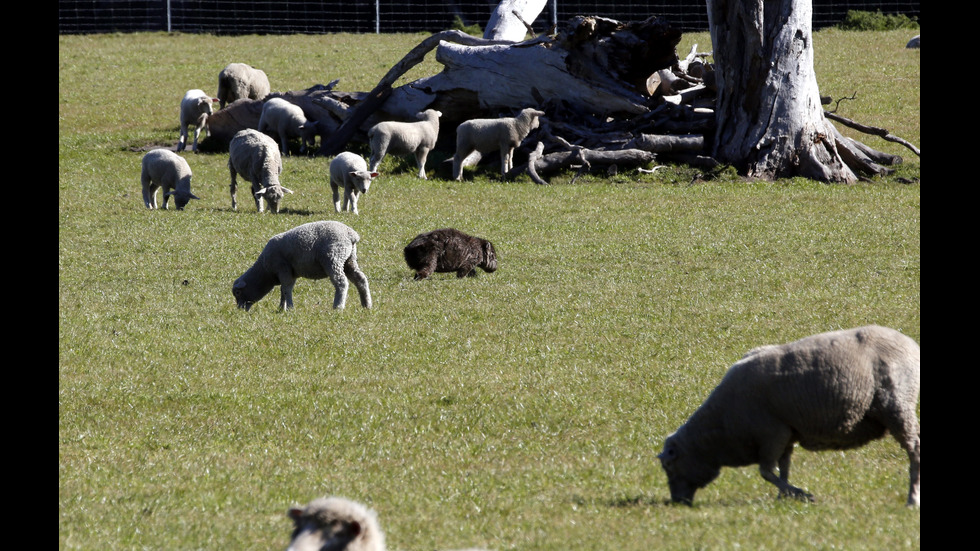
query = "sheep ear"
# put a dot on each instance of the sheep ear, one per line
(355, 528)
(286, 189)
(194, 196)
(295, 513)
(238, 285)
(261, 191)
(374, 175)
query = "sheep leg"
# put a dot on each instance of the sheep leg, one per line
(420, 157)
(259, 202)
(166, 197)
(506, 160)
(197, 133)
(234, 189)
(336, 196)
(340, 285)
(428, 266)
(376, 157)
(460, 160)
(287, 282)
(182, 141)
(350, 199)
(467, 270)
(357, 277)
(149, 192)
(779, 450)
(914, 473)
(904, 427)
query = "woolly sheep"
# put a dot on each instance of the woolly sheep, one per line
(287, 121)
(314, 250)
(238, 80)
(256, 157)
(166, 169)
(485, 135)
(195, 108)
(831, 391)
(349, 171)
(449, 250)
(405, 138)
(336, 524)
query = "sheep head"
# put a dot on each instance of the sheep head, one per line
(335, 524)
(362, 179)
(181, 198)
(247, 295)
(273, 194)
(686, 473)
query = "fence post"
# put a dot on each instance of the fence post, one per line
(377, 16)
(166, 14)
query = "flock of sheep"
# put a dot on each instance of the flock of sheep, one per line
(831, 391)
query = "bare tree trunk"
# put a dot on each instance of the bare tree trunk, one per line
(770, 122)
(511, 20)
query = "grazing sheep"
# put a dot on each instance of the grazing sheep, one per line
(405, 138)
(335, 524)
(166, 169)
(288, 121)
(449, 250)
(238, 80)
(349, 171)
(314, 250)
(831, 391)
(486, 135)
(256, 157)
(195, 108)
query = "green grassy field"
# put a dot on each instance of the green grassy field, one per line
(516, 410)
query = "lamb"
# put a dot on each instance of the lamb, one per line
(449, 250)
(335, 524)
(288, 121)
(830, 391)
(405, 138)
(256, 157)
(166, 169)
(238, 80)
(195, 108)
(349, 171)
(314, 250)
(486, 135)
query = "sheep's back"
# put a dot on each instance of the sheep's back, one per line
(829, 388)
(255, 156)
(163, 165)
(305, 248)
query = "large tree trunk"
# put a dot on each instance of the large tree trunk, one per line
(511, 18)
(770, 122)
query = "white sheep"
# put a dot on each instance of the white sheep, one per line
(287, 120)
(195, 108)
(314, 250)
(337, 524)
(238, 80)
(349, 171)
(405, 138)
(831, 391)
(166, 169)
(486, 135)
(256, 157)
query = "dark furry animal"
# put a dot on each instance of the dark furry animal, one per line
(449, 250)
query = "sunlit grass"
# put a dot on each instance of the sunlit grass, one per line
(516, 410)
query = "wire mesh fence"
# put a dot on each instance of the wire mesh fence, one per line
(389, 16)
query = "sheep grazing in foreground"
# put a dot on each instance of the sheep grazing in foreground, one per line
(238, 80)
(287, 121)
(486, 135)
(195, 108)
(166, 169)
(256, 157)
(337, 524)
(831, 391)
(349, 171)
(449, 250)
(314, 250)
(405, 138)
